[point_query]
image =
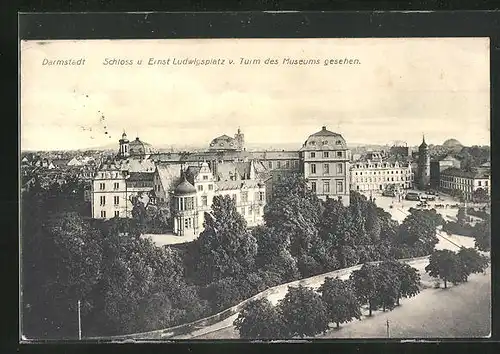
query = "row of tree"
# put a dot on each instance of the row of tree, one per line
(456, 267)
(305, 312)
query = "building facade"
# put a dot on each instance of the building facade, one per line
(440, 164)
(380, 175)
(193, 195)
(468, 182)
(117, 183)
(324, 159)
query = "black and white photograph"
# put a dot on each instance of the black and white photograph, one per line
(256, 189)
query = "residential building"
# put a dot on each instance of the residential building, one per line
(380, 175)
(455, 179)
(441, 164)
(325, 160)
(117, 183)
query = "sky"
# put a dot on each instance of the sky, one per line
(401, 89)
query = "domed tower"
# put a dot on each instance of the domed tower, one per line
(185, 212)
(124, 146)
(424, 165)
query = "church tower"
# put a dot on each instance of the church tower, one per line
(124, 146)
(240, 140)
(424, 165)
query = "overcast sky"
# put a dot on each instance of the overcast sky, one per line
(401, 89)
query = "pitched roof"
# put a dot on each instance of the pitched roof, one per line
(140, 176)
(457, 172)
(226, 170)
(275, 155)
(168, 175)
(325, 132)
(236, 185)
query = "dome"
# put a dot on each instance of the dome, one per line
(324, 140)
(452, 143)
(184, 188)
(138, 147)
(223, 142)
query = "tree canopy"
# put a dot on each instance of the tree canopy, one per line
(340, 300)
(304, 312)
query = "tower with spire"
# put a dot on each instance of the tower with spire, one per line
(124, 146)
(424, 165)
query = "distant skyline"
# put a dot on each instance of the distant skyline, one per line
(402, 89)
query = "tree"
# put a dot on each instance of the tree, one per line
(364, 282)
(472, 261)
(445, 264)
(304, 313)
(373, 223)
(461, 216)
(388, 285)
(259, 319)
(273, 253)
(419, 229)
(340, 300)
(480, 195)
(296, 211)
(482, 234)
(61, 265)
(409, 278)
(225, 248)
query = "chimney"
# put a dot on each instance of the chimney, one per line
(323, 128)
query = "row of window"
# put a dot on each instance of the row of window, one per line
(381, 179)
(109, 174)
(325, 142)
(326, 168)
(116, 200)
(383, 172)
(459, 180)
(210, 187)
(102, 186)
(103, 213)
(326, 154)
(287, 164)
(326, 187)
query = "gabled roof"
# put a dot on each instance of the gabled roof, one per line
(168, 175)
(236, 185)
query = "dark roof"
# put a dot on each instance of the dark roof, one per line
(140, 176)
(325, 132)
(185, 188)
(457, 172)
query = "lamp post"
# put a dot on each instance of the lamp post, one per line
(387, 325)
(79, 323)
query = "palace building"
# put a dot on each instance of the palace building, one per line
(186, 182)
(324, 160)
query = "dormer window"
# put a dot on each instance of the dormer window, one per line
(312, 143)
(339, 142)
(325, 142)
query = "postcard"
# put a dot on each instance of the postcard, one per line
(258, 189)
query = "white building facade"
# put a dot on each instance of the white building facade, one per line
(381, 175)
(325, 164)
(455, 179)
